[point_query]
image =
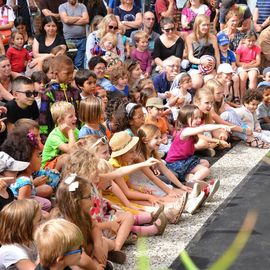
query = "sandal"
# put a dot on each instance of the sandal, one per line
(258, 144)
(131, 239)
(117, 256)
(157, 213)
(163, 223)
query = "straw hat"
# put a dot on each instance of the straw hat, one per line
(121, 142)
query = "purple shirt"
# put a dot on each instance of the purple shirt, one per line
(180, 149)
(144, 58)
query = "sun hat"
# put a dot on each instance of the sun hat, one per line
(207, 69)
(155, 102)
(223, 39)
(225, 68)
(121, 142)
(7, 163)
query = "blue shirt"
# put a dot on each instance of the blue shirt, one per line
(86, 130)
(114, 89)
(229, 59)
(161, 83)
(104, 83)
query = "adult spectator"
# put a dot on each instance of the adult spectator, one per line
(231, 29)
(128, 15)
(94, 8)
(135, 73)
(203, 52)
(244, 12)
(169, 43)
(6, 22)
(26, 9)
(163, 81)
(50, 8)
(98, 65)
(264, 43)
(261, 15)
(6, 78)
(48, 38)
(108, 24)
(115, 3)
(168, 8)
(74, 17)
(147, 27)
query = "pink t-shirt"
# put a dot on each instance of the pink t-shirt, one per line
(180, 149)
(246, 55)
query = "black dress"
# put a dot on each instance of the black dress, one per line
(59, 40)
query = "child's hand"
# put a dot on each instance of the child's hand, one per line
(40, 180)
(100, 254)
(146, 75)
(154, 200)
(3, 184)
(3, 109)
(168, 94)
(114, 226)
(64, 128)
(151, 162)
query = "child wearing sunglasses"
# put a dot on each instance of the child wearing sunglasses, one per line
(59, 243)
(24, 104)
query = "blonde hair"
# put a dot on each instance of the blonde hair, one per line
(213, 85)
(140, 35)
(104, 166)
(56, 237)
(81, 161)
(200, 94)
(145, 133)
(196, 28)
(91, 110)
(102, 27)
(109, 37)
(16, 222)
(60, 109)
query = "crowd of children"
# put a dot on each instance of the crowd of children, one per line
(92, 159)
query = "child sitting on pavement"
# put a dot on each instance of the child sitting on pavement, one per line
(263, 110)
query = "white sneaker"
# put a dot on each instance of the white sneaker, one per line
(213, 188)
(194, 203)
(196, 190)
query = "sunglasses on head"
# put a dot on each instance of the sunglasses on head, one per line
(103, 140)
(29, 93)
(80, 250)
(113, 27)
(168, 30)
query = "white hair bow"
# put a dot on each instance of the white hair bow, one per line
(70, 182)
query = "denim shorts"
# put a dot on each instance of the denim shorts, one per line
(183, 167)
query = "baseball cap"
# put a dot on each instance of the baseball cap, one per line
(225, 68)
(7, 163)
(155, 102)
(264, 84)
(223, 39)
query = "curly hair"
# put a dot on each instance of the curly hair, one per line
(252, 95)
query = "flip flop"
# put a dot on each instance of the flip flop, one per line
(131, 239)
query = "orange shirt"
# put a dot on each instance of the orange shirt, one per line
(161, 123)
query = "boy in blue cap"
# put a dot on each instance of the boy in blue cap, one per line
(226, 55)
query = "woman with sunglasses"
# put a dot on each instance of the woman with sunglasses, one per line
(128, 15)
(108, 24)
(169, 43)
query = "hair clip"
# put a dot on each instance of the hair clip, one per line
(72, 186)
(32, 139)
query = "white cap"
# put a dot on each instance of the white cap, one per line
(225, 68)
(10, 164)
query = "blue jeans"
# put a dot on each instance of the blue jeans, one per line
(80, 44)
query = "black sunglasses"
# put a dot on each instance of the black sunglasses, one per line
(113, 27)
(168, 30)
(29, 93)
